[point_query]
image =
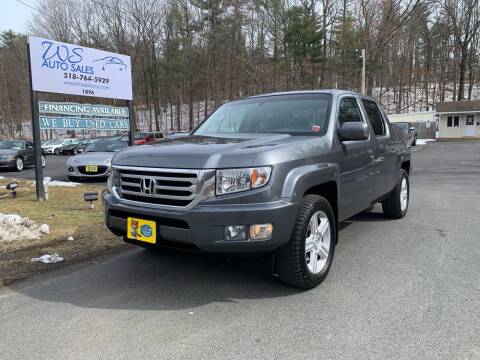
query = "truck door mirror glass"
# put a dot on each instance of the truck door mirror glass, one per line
(413, 128)
(353, 131)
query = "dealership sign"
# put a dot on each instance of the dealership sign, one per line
(82, 116)
(81, 109)
(63, 68)
(73, 123)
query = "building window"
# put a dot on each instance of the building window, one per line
(453, 121)
(469, 120)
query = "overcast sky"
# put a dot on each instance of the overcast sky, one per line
(14, 15)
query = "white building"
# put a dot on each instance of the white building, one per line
(413, 117)
(458, 120)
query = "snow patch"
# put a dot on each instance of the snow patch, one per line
(424, 141)
(48, 259)
(14, 227)
(47, 181)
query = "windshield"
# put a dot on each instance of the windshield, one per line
(298, 114)
(17, 145)
(106, 146)
(403, 126)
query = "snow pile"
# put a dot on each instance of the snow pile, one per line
(48, 259)
(424, 141)
(14, 227)
(47, 181)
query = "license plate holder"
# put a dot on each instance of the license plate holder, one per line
(142, 230)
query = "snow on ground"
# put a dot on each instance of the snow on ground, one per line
(14, 227)
(424, 141)
(47, 181)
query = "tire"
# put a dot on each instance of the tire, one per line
(56, 151)
(293, 264)
(19, 164)
(43, 160)
(414, 143)
(74, 151)
(396, 205)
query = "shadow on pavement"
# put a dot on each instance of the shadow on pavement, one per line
(160, 280)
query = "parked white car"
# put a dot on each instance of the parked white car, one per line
(54, 146)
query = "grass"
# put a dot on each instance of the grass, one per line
(67, 214)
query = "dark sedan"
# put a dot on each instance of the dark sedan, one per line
(16, 154)
(72, 147)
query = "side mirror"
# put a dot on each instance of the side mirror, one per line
(353, 131)
(413, 128)
(29, 147)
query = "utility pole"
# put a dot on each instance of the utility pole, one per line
(363, 89)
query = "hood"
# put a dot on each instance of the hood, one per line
(90, 158)
(51, 146)
(208, 152)
(9, 151)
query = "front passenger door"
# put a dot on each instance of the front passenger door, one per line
(356, 163)
(28, 157)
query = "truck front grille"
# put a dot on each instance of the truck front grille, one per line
(169, 187)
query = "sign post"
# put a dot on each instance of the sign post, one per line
(57, 67)
(40, 189)
(131, 118)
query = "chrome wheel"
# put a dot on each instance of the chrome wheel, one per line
(19, 164)
(404, 194)
(317, 242)
(43, 160)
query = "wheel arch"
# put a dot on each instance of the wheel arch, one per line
(406, 166)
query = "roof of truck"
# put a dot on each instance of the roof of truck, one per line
(334, 92)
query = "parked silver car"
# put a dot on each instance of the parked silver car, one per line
(95, 162)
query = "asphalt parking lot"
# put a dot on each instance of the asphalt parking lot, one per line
(56, 168)
(398, 289)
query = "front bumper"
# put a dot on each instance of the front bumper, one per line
(6, 163)
(203, 227)
(48, 151)
(74, 171)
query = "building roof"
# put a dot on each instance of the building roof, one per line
(458, 106)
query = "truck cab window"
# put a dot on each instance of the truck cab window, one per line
(349, 111)
(375, 117)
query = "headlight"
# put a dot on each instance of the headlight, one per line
(113, 180)
(235, 180)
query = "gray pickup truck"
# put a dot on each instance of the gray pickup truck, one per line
(268, 175)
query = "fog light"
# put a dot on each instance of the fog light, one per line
(261, 231)
(235, 232)
(70, 169)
